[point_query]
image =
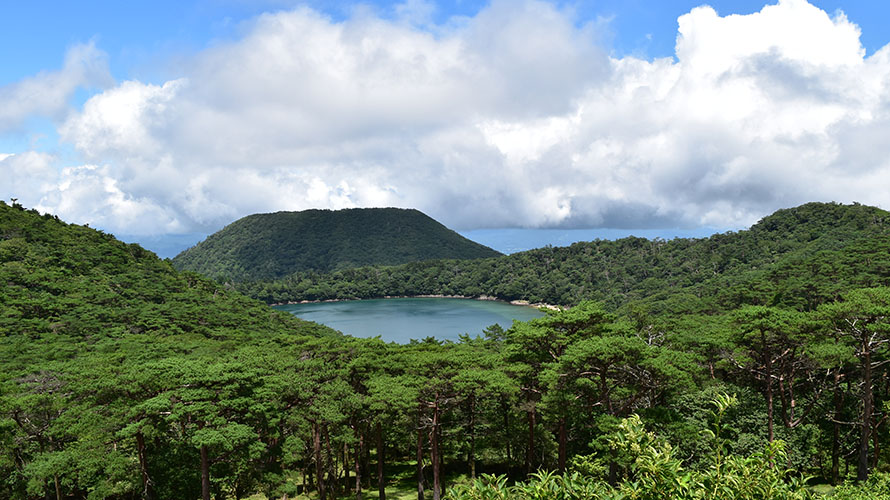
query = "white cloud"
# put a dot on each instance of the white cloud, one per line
(514, 117)
(26, 176)
(122, 121)
(47, 93)
(89, 194)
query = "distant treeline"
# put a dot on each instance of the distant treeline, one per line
(798, 258)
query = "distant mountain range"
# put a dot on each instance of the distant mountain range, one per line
(270, 246)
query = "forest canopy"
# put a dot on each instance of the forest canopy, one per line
(269, 246)
(753, 365)
(799, 258)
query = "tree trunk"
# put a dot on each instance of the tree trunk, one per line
(381, 482)
(58, 487)
(471, 455)
(419, 461)
(769, 411)
(319, 466)
(836, 430)
(862, 470)
(506, 411)
(366, 461)
(346, 467)
(530, 456)
(333, 483)
(434, 452)
(613, 471)
(205, 474)
(562, 445)
(358, 467)
(441, 460)
(147, 490)
(768, 363)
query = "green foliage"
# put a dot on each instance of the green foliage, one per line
(797, 258)
(652, 472)
(541, 486)
(270, 246)
(123, 378)
(876, 488)
(101, 341)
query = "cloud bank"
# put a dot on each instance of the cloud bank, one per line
(515, 117)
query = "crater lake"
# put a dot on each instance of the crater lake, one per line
(402, 319)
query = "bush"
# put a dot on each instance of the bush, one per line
(651, 472)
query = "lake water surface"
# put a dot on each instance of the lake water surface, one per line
(400, 320)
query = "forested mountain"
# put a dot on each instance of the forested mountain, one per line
(268, 246)
(106, 349)
(799, 257)
(122, 378)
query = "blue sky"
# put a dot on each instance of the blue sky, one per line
(139, 35)
(142, 37)
(516, 122)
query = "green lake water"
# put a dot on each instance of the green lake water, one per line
(400, 320)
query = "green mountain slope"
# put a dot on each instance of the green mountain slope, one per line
(104, 346)
(268, 246)
(82, 285)
(798, 257)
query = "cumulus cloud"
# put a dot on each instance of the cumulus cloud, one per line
(85, 194)
(90, 194)
(48, 93)
(122, 121)
(26, 176)
(513, 117)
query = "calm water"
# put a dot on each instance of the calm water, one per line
(400, 320)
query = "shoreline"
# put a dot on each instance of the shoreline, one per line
(537, 305)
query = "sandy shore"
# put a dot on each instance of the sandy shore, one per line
(537, 305)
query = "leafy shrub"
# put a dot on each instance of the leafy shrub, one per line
(651, 472)
(876, 488)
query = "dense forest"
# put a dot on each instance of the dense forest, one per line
(757, 368)
(799, 257)
(271, 246)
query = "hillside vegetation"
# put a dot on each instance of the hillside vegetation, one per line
(799, 257)
(123, 378)
(267, 246)
(103, 346)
